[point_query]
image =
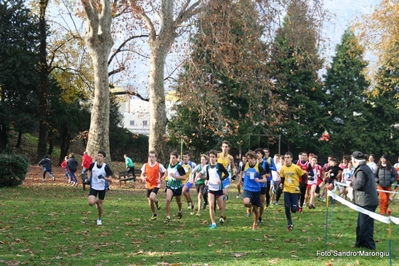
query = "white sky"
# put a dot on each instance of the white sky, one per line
(343, 13)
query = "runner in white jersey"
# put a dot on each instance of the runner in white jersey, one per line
(100, 174)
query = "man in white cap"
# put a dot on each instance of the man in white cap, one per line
(365, 196)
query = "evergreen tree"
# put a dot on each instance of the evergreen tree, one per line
(295, 64)
(349, 116)
(18, 66)
(384, 132)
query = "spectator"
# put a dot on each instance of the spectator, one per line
(385, 176)
(365, 196)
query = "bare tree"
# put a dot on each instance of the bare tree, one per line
(99, 42)
(161, 39)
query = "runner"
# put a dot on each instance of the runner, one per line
(290, 183)
(199, 180)
(215, 173)
(151, 174)
(227, 161)
(254, 174)
(174, 186)
(188, 183)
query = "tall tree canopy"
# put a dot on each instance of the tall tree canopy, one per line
(346, 104)
(19, 60)
(295, 64)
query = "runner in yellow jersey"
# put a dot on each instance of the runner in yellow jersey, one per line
(227, 161)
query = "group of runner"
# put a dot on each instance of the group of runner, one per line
(261, 178)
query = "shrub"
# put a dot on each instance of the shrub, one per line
(13, 169)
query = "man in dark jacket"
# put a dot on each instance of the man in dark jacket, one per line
(47, 168)
(72, 167)
(365, 196)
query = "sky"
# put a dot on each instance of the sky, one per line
(343, 13)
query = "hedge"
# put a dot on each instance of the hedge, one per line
(13, 169)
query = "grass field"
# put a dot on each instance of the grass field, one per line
(50, 223)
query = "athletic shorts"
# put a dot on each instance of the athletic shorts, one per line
(188, 185)
(309, 186)
(176, 192)
(226, 183)
(100, 193)
(149, 191)
(264, 190)
(254, 197)
(200, 188)
(217, 194)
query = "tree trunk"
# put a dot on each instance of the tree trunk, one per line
(99, 42)
(3, 137)
(50, 145)
(64, 147)
(19, 139)
(43, 127)
(157, 103)
(160, 42)
(99, 124)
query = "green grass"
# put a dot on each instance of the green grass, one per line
(51, 224)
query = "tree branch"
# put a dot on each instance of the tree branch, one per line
(132, 94)
(106, 17)
(139, 11)
(122, 45)
(189, 12)
(92, 21)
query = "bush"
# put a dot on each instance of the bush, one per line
(13, 169)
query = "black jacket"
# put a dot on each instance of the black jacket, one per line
(46, 163)
(385, 177)
(72, 164)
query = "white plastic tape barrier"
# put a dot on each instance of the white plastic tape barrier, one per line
(379, 190)
(375, 216)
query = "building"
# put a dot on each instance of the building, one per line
(136, 112)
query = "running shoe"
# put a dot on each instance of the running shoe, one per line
(221, 219)
(153, 217)
(260, 220)
(167, 220)
(213, 226)
(255, 227)
(99, 222)
(180, 214)
(290, 227)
